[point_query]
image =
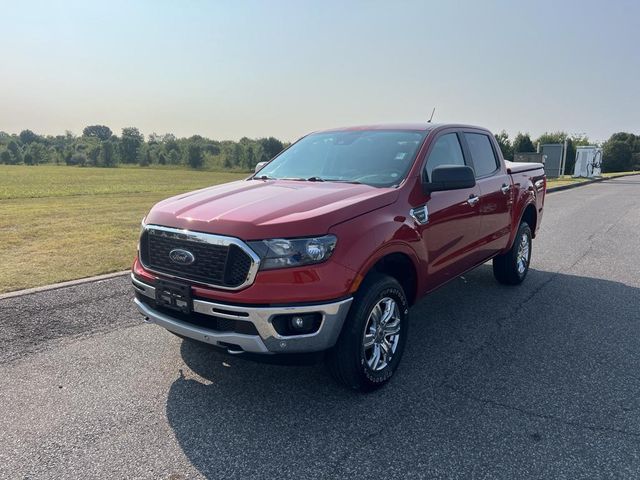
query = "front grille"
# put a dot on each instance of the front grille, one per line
(220, 264)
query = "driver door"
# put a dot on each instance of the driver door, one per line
(452, 227)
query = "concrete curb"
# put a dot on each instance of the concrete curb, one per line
(70, 283)
(588, 182)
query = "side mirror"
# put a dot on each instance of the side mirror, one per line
(450, 177)
(259, 166)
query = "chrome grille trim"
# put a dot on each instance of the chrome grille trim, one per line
(209, 238)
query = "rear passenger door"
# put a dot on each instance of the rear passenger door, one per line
(495, 192)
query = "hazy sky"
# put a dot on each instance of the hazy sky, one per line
(230, 69)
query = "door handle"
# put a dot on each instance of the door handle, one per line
(505, 188)
(473, 200)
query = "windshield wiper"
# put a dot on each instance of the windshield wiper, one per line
(309, 179)
(339, 180)
(267, 177)
(300, 179)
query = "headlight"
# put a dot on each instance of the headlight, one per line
(294, 252)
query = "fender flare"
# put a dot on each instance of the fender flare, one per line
(383, 251)
(531, 202)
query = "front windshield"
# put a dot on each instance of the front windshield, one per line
(379, 158)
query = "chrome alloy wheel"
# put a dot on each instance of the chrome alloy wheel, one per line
(522, 258)
(381, 334)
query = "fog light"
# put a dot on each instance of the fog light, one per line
(300, 324)
(297, 323)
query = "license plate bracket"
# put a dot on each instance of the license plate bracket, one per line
(174, 295)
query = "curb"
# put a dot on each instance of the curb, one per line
(588, 182)
(70, 283)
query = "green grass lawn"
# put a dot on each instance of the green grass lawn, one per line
(564, 180)
(60, 223)
(568, 179)
(617, 174)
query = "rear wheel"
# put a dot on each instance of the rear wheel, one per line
(512, 267)
(372, 340)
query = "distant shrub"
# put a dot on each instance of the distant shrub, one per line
(77, 159)
(108, 154)
(5, 157)
(617, 156)
(145, 157)
(194, 156)
(174, 157)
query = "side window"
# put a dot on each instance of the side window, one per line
(446, 151)
(484, 160)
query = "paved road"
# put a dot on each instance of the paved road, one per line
(540, 381)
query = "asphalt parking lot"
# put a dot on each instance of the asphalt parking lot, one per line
(537, 381)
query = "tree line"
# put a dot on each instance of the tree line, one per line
(621, 152)
(98, 146)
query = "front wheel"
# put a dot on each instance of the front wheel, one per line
(511, 268)
(372, 340)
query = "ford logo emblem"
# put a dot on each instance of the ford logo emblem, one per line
(181, 257)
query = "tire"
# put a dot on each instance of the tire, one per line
(511, 268)
(362, 367)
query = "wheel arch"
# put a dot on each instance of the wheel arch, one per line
(530, 215)
(399, 264)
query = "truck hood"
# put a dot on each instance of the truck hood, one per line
(258, 209)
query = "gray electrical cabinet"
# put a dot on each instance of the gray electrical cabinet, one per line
(553, 159)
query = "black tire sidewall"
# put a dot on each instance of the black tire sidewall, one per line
(385, 287)
(524, 228)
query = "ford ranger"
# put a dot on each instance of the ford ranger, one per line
(326, 247)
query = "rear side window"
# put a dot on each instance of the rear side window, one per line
(484, 160)
(446, 151)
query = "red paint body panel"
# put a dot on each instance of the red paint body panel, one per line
(369, 223)
(259, 209)
(329, 280)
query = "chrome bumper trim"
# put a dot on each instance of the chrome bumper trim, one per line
(143, 288)
(249, 343)
(268, 340)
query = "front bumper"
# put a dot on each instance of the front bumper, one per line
(268, 341)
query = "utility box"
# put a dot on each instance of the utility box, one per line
(554, 159)
(588, 162)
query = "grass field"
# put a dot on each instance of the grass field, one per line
(60, 223)
(568, 179)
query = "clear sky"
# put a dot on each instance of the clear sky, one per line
(228, 69)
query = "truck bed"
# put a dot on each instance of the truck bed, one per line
(517, 167)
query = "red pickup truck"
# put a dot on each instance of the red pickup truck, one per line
(326, 247)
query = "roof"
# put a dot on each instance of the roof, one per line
(422, 127)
